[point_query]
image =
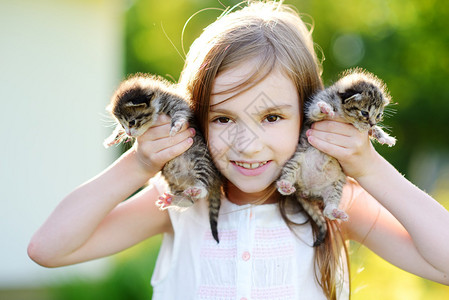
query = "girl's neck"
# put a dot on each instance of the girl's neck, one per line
(236, 196)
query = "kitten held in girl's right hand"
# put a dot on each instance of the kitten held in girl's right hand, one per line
(135, 105)
(359, 98)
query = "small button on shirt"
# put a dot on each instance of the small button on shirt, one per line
(246, 256)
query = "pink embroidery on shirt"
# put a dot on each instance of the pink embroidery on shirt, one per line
(279, 233)
(273, 243)
(274, 292)
(218, 253)
(217, 292)
(227, 249)
(225, 235)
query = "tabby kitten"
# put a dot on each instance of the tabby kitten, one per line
(358, 98)
(191, 176)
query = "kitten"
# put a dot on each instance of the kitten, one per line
(358, 98)
(191, 176)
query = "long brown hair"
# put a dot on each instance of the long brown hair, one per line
(274, 35)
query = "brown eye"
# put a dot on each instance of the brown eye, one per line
(272, 118)
(221, 120)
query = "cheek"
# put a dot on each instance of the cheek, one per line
(286, 140)
(286, 146)
(217, 146)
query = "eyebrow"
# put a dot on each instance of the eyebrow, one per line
(263, 111)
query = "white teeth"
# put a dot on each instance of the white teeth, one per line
(250, 166)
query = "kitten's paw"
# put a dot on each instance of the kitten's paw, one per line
(164, 201)
(116, 139)
(326, 109)
(195, 192)
(285, 187)
(111, 141)
(176, 127)
(333, 213)
(390, 141)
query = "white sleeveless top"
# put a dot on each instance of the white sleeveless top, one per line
(258, 256)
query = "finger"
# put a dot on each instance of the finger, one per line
(162, 119)
(184, 127)
(330, 137)
(334, 127)
(161, 128)
(169, 153)
(165, 142)
(328, 148)
(156, 132)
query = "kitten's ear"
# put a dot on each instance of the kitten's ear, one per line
(348, 97)
(136, 105)
(140, 101)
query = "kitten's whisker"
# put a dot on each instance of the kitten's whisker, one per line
(387, 128)
(107, 120)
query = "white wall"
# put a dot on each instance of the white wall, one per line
(59, 64)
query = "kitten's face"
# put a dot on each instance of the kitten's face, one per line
(364, 107)
(135, 115)
(133, 104)
(135, 119)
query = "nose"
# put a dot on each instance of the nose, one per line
(247, 141)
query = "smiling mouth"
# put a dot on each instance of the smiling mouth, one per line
(250, 166)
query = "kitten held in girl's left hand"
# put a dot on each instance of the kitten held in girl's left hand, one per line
(135, 105)
(358, 98)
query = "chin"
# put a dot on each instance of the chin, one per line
(252, 188)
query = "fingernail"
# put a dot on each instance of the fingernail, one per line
(192, 131)
(308, 132)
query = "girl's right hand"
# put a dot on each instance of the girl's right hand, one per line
(156, 147)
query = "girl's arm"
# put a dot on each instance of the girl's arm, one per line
(393, 217)
(93, 221)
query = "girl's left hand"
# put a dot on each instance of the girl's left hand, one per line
(351, 147)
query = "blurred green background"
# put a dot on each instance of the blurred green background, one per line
(406, 43)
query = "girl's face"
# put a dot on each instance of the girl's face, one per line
(252, 134)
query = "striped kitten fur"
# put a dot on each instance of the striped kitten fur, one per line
(358, 98)
(191, 176)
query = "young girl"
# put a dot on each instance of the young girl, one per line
(249, 74)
